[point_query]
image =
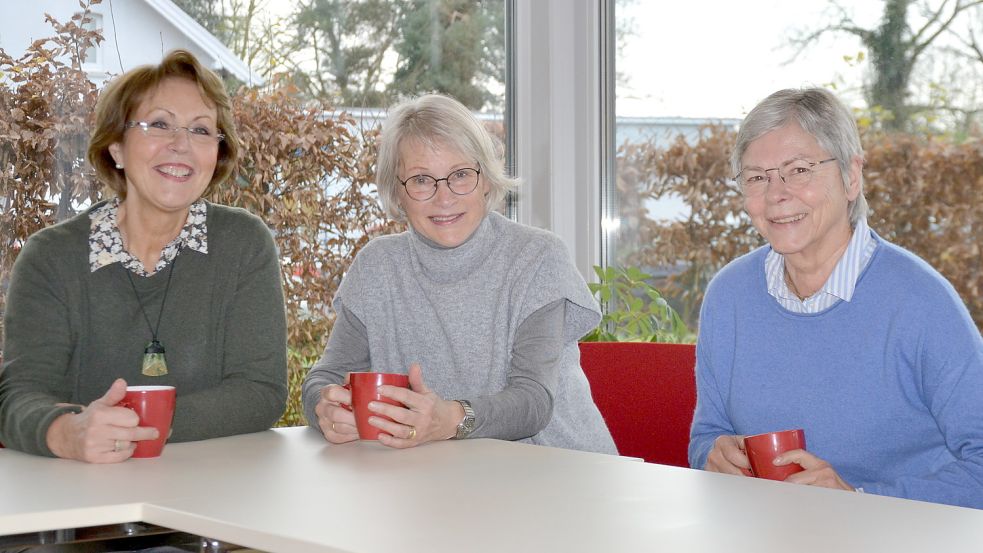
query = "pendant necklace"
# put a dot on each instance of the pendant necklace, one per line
(153, 355)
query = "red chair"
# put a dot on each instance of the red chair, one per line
(646, 393)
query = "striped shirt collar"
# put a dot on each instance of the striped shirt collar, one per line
(841, 282)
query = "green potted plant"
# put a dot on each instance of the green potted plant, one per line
(640, 363)
(634, 310)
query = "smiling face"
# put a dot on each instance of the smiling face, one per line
(447, 218)
(809, 226)
(166, 175)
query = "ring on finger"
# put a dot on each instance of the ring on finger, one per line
(332, 428)
(116, 446)
(412, 433)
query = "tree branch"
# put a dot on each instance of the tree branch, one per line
(844, 24)
(974, 47)
(917, 46)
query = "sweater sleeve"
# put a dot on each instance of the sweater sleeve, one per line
(38, 345)
(710, 419)
(347, 351)
(949, 364)
(252, 393)
(525, 405)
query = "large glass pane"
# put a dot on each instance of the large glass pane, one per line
(311, 80)
(689, 71)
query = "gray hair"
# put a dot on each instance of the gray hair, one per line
(435, 120)
(820, 114)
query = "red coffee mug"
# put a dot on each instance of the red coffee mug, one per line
(155, 407)
(365, 388)
(762, 449)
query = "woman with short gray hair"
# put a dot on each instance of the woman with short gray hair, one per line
(832, 329)
(820, 114)
(481, 312)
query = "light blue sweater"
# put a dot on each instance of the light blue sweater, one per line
(888, 386)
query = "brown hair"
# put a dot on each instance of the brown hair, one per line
(118, 100)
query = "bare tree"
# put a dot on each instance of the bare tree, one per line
(249, 29)
(896, 48)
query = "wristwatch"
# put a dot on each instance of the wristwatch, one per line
(466, 426)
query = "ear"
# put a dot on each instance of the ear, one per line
(855, 173)
(116, 150)
(485, 187)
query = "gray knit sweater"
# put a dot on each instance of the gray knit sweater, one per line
(71, 332)
(460, 313)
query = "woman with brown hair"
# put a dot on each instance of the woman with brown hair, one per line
(155, 286)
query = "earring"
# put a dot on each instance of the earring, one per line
(119, 165)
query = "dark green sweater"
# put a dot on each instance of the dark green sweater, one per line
(71, 332)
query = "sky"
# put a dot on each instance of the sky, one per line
(691, 58)
(718, 58)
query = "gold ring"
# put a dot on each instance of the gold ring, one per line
(116, 447)
(332, 428)
(412, 433)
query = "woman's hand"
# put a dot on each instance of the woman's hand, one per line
(426, 417)
(728, 457)
(336, 423)
(101, 433)
(817, 471)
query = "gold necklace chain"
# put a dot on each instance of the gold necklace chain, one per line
(792, 287)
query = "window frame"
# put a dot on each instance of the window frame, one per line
(560, 109)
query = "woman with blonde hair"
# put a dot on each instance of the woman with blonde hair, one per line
(482, 313)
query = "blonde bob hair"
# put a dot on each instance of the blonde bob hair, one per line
(438, 121)
(123, 95)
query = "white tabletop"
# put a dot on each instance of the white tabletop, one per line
(288, 490)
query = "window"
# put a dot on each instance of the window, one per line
(93, 55)
(685, 80)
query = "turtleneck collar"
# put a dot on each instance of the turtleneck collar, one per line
(452, 264)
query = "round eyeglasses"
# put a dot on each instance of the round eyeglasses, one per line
(199, 134)
(795, 174)
(423, 187)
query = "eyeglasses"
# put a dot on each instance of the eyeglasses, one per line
(161, 130)
(795, 175)
(423, 187)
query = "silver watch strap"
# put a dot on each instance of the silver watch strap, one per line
(467, 424)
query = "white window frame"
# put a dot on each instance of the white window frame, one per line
(96, 62)
(562, 120)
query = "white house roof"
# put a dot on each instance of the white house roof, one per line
(136, 32)
(222, 56)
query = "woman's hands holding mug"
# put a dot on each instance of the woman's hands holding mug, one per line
(423, 416)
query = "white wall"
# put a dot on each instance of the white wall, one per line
(135, 33)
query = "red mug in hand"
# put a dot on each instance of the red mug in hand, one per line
(762, 449)
(365, 389)
(155, 407)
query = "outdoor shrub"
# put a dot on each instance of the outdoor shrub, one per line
(925, 193)
(307, 174)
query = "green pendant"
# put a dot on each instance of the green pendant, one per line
(153, 360)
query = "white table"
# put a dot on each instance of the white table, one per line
(288, 490)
